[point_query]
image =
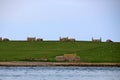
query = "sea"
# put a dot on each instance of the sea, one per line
(60, 73)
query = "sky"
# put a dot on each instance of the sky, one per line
(50, 19)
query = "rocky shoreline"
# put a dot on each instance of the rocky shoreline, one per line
(20, 64)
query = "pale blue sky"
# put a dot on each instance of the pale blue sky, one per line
(50, 19)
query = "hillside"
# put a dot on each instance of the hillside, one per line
(88, 51)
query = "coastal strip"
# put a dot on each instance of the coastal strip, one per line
(20, 64)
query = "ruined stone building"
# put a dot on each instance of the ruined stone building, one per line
(96, 40)
(31, 38)
(0, 38)
(67, 39)
(68, 58)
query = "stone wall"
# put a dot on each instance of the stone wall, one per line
(68, 57)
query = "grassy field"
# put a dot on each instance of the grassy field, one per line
(88, 51)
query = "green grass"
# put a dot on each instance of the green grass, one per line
(88, 51)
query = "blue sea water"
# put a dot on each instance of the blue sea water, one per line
(59, 73)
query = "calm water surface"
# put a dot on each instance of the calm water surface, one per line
(59, 73)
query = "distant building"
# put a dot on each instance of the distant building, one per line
(5, 39)
(96, 40)
(108, 40)
(0, 38)
(31, 38)
(39, 39)
(68, 57)
(71, 39)
(64, 39)
(67, 39)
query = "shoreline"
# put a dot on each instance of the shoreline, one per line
(35, 64)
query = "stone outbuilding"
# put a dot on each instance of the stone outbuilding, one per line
(0, 38)
(108, 40)
(96, 40)
(31, 38)
(39, 39)
(64, 39)
(67, 39)
(68, 57)
(5, 39)
(71, 39)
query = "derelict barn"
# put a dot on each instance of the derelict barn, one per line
(67, 39)
(96, 40)
(68, 57)
(64, 39)
(0, 38)
(5, 39)
(108, 40)
(31, 38)
(39, 39)
(71, 39)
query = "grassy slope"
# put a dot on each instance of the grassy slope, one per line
(88, 51)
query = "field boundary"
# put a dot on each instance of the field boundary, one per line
(20, 64)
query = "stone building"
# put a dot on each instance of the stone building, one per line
(108, 40)
(68, 57)
(67, 39)
(64, 39)
(96, 40)
(71, 39)
(31, 38)
(0, 38)
(39, 39)
(5, 39)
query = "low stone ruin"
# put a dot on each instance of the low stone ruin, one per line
(39, 39)
(108, 40)
(96, 40)
(31, 38)
(5, 39)
(67, 39)
(68, 58)
(0, 38)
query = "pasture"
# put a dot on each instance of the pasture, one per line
(88, 51)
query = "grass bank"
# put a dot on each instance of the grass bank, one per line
(88, 51)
